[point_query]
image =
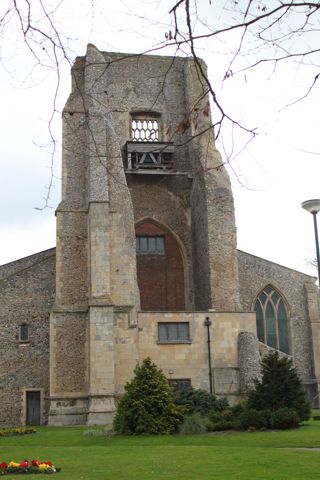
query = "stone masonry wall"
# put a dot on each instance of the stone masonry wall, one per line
(212, 208)
(26, 296)
(254, 274)
(23, 263)
(249, 360)
(190, 360)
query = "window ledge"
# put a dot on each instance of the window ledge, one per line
(174, 342)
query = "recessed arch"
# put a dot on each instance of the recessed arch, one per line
(160, 267)
(272, 317)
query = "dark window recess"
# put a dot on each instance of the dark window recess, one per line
(179, 384)
(153, 245)
(171, 332)
(24, 333)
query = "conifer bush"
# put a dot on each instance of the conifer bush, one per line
(148, 406)
(285, 418)
(200, 401)
(251, 418)
(279, 387)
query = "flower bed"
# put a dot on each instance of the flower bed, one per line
(34, 466)
(9, 432)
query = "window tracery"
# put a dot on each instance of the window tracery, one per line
(272, 319)
(145, 129)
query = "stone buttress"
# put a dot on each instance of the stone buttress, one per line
(96, 269)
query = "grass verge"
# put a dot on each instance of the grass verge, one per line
(230, 456)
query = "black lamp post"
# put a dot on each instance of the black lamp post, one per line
(313, 206)
(207, 324)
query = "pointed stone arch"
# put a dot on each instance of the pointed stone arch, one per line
(272, 317)
(160, 267)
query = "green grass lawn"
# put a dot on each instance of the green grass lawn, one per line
(234, 456)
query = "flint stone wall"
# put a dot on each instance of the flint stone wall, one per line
(26, 296)
(254, 274)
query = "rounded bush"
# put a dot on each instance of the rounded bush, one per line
(200, 401)
(238, 408)
(253, 418)
(285, 418)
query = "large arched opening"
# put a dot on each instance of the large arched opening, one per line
(159, 269)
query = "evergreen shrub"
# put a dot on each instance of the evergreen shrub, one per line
(285, 418)
(200, 401)
(221, 425)
(279, 387)
(148, 406)
(238, 408)
(251, 418)
(223, 420)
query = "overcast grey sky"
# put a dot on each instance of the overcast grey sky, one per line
(271, 177)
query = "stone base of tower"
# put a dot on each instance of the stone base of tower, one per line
(68, 411)
(101, 410)
(92, 410)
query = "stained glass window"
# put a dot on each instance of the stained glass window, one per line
(272, 319)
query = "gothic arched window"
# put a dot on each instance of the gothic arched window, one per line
(272, 319)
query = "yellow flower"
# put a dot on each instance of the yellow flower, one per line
(43, 466)
(14, 464)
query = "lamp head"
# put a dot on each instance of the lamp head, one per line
(312, 206)
(207, 322)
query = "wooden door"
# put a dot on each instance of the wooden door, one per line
(33, 407)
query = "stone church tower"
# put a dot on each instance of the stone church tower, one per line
(146, 263)
(146, 240)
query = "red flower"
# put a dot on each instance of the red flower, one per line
(3, 465)
(35, 463)
(48, 463)
(24, 464)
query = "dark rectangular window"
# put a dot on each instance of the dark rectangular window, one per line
(152, 245)
(173, 332)
(23, 333)
(179, 384)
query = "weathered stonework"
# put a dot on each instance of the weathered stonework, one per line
(254, 274)
(26, 297)
(249, 360)
(98, 331)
